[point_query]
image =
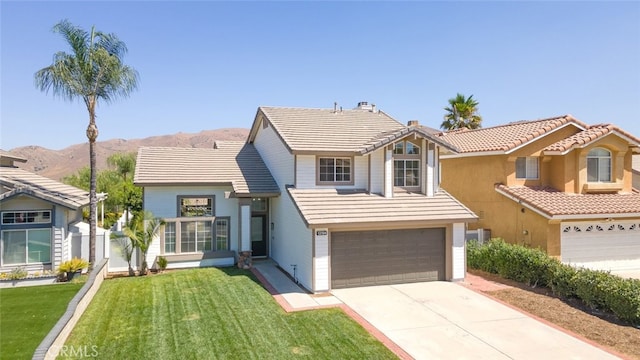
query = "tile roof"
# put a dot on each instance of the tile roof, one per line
(587, 136)
(8, 155)
(233, 163)
(554, 203)
(507, 137)
(303, 129)
(335, 207)
(18, 181)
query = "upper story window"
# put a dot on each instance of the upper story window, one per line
(335, 170)
(527, 168)
(189, 206)
(26, 217)
(599, 165)
(406, 148)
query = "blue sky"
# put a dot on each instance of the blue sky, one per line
(209, 65)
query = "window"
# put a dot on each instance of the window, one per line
(335, 170)
(527, 168)
(170, 238)
(32, 246)
(189, 206)
(222, 234)
(196, 236)
(599, 165)
(258, 205)
(406, 173)
(406, 147)
(30, 217)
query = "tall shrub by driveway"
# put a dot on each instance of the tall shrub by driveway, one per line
(597, 289)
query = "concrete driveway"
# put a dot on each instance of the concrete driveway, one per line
(443, 320)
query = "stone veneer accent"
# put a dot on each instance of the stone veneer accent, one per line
(244, 260)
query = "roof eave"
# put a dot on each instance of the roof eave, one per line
(524, 203)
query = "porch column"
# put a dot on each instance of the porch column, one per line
(431, 164)
(244, 252)
(458, 252)
(388, 173)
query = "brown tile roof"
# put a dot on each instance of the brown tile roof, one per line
(554, 203)
(233, 163)
(303, 129)
(507, 137)
(587, 136)
(344, 207)
(21, 182)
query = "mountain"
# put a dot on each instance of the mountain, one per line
(56, 164)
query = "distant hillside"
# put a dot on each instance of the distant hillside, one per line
(56, 164)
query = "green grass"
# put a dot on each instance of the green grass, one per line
(212, 314)
(27, 314)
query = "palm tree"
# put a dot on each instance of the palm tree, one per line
(141, 230)
(92, 71)
(461, 113)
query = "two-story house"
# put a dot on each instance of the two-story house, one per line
(353, 199)
(41, 220)
(557, 184)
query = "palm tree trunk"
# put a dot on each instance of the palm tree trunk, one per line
(92, 135)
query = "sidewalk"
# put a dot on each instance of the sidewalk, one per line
(288, 294)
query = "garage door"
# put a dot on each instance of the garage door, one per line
(601, 245)
(362, 258)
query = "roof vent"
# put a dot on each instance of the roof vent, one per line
(412, 123)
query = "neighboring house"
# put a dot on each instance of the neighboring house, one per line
(557, 184)
(41, 220)
(346, 198)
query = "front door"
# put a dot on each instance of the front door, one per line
(258, 235)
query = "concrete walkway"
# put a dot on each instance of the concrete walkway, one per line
(436, 320)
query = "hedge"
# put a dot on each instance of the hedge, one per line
(597, 289)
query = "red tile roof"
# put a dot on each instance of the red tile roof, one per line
(506, 137)
(555, 203)
(587, 136)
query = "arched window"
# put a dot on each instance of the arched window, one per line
(599, 165)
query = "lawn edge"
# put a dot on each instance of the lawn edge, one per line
(372, 330)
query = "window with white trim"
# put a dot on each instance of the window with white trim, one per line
(29, 217)
(406, 173)
(599, 165)
(527, 168)
(29, 246)
(334, 170)
(196, 236)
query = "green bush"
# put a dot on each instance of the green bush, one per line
(597, 289)
(561, 279)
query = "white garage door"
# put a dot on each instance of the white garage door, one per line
(601, 245)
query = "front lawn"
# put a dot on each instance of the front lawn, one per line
(212, 313)
(27, 314)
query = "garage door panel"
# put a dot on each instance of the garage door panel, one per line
(600, 242)
(364, 258)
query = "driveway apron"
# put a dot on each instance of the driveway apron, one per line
(443, 320)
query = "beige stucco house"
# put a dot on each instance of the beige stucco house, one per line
(557, 184)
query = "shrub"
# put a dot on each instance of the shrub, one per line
(162, 263)
(561, 279)
(17, 274)
(73, 265)
(597, 289)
